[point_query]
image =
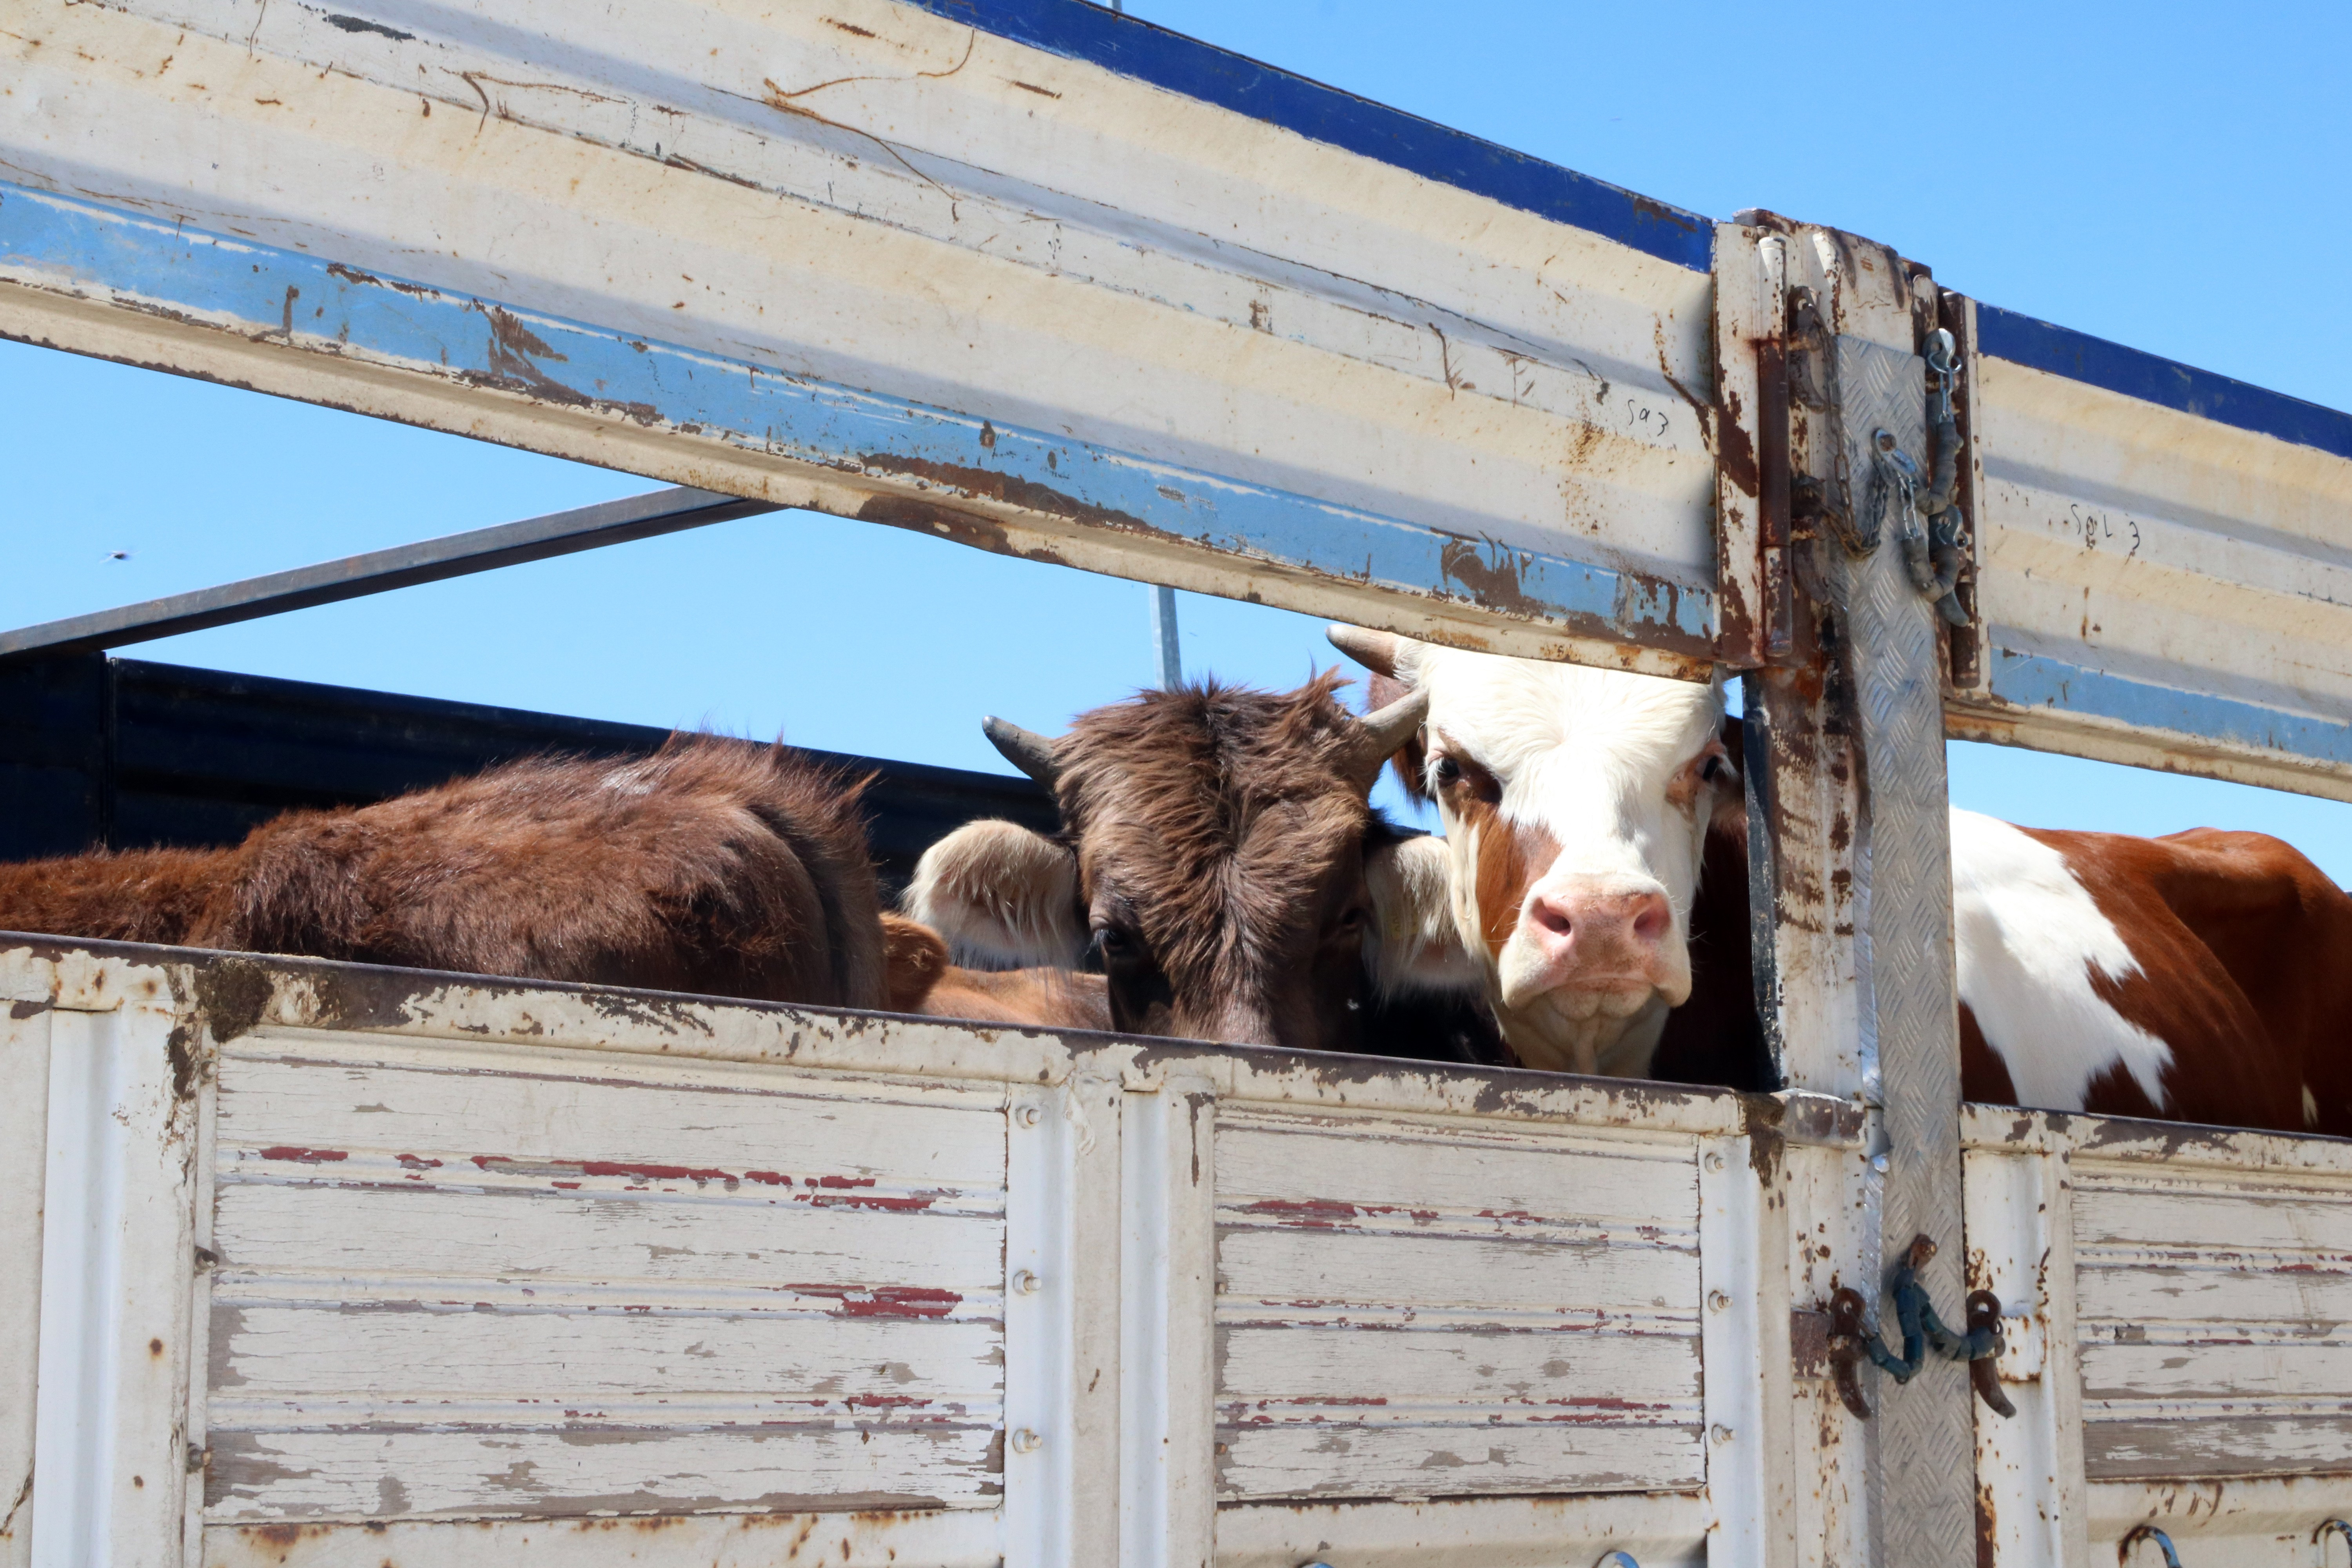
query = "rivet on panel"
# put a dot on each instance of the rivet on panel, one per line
(1026, 1441)
(1024, 1283)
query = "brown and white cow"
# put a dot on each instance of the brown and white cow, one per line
(2203, 977)
(712, 867)
(1220, 859)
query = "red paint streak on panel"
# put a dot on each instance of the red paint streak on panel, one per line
(302, 1156)
(886, 1300)
(1318, 1213)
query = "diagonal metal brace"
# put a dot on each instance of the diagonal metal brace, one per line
(1850, 1341)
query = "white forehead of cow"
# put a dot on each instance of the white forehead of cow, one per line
(1514, 713)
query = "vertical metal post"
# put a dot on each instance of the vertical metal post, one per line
(1163, 638)
(1853, 887)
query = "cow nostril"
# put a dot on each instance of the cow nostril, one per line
(1649, 925)
(1551, 916)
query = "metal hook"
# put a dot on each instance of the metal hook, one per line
(1942, 348)
(2340, 1527)
(2147, 1532)
(1620, 1558)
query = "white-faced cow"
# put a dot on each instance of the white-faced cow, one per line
(1218, 858)
(2203, 977)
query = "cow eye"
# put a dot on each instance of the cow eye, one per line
(1115, 946)
(1718, 769)
(1449, 771)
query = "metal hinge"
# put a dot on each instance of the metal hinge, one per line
(1850, 1341)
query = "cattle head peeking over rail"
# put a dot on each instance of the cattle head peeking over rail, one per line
(1577, 805)
(1219, 857)
(2203, 977)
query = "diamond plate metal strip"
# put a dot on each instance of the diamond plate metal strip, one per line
(1926, 1516)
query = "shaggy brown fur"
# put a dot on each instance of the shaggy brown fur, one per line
(710, 867)
(1219, 841)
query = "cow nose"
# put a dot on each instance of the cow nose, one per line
(1574, 927)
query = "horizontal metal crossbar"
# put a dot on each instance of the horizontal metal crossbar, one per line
(380, 570)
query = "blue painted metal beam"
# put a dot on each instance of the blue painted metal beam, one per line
(927, 465)
(1077, 29)
(2079, 356)
(2040, 682)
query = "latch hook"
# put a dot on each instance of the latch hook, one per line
(1851, 1342)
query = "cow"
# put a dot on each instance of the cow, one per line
(2185, 978)
(711, 866)
(1219, 863)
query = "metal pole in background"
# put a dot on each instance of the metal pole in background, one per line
(1163, 638)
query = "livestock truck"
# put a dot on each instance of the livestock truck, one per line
(314, 1263)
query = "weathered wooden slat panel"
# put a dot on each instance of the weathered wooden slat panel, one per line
(2210, 1313)
(516, 1106)
(1538, 1373)
(950, 1538)
(517, 1354)
(587, 1469)
(468, 1280)
(2216, 1293)
(653, 1238)
(1303, 1267)
(2197, 1360)
(2201, 1219)
(1430, 1308)
(2215, 1447)
(24, 1160)
(1397, 1171)
(1659, 1529)
(1467, 1459)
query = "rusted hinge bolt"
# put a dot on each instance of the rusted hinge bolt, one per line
(1718, 1301)
(1721, 1432)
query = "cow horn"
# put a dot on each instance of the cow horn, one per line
(1025, 749)
(1379, 736)
(1376, 651)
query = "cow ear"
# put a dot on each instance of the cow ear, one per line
(1003, 896)
(1411, 759)
(914, 957)
(1730, 815)
(1416, 947)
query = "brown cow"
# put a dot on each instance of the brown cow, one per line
(710, 867)
(1218, 858)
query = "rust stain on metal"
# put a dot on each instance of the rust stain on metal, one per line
(231, 993)
(988, 484)
(1494, 585)
(1987, 1531)
(368, 279)
(947, 522)
(1733, 451)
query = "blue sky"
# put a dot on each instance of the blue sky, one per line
(2172, 176)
